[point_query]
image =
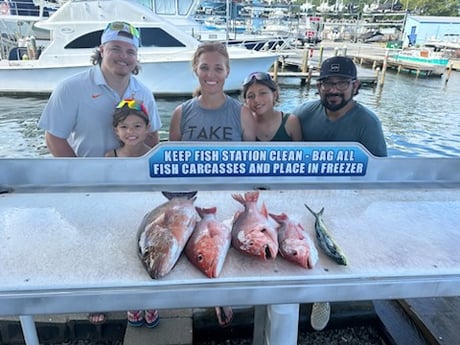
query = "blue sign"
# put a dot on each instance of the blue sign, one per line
(256, 160)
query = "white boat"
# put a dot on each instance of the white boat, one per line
(17, 17)
(438, 59)
(165, 55)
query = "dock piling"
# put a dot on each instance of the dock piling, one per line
(449, 71)
(384, 68)
(275, 71)
(320, 58)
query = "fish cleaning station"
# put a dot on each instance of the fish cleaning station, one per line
(68, 230)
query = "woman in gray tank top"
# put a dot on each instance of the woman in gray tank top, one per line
(211, 115)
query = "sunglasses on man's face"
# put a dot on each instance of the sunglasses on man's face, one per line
(340, 85)
(132, 104)
(123, 26)
(261, 76)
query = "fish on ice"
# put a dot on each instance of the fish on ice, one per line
(325, 240)
(252, 231)
(164, 232)
(208, 246)
(295, 244)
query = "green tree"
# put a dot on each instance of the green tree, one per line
(434, 8)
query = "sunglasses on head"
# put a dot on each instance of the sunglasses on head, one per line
(132, 104)
(261, 76)
(123, 26)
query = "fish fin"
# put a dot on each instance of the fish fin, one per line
(311, 211)
(239, 198)
(279, 218)
(251, 196)
(235, 216)
(263, 210)
(316, 214)
(172, 195)
(204, 211)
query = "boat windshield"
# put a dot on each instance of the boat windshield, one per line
(171, 7)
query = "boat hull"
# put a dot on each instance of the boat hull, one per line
(165, 78)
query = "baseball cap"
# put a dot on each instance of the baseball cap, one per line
(121, 31)
(338, 66)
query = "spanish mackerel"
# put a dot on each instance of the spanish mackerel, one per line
(325, 240)
(164, 231)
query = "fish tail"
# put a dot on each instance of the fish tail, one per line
(251, 196)
(316, 214)
(279, 218)
(239, 198)
(204, 211)
(172, 195)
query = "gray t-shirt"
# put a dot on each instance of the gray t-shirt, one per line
(81, 109)
(359, 124)
(222, 124)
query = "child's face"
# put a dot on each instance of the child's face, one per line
(260, 98)
(132, 130)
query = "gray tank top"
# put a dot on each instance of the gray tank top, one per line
(222, 124)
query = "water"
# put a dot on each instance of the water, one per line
(420, 117)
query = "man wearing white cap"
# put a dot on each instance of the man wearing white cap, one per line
(78, 117)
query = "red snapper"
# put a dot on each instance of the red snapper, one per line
(295, 244)
(252, 231)
(208, 246)
(164, 231)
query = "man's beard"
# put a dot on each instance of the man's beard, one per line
(334, 106)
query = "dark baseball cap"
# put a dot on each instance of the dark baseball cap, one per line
(338, 66)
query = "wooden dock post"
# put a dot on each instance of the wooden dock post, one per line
(306, 51)
(377, 72)
(320, 58)
(275, 71)
(449, 71)
(336, 51)
(345, 50)
(384, 68)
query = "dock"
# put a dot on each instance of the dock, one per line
(371, 60)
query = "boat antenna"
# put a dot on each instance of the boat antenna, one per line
(227, 21)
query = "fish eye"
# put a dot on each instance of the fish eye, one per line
(199, 258)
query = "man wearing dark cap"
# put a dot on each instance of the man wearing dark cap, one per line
(78, 117)
(336, 116)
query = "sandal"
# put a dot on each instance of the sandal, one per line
(135, 318)
(96, 318)
(152, 318)
(224, 316)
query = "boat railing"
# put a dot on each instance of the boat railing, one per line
(7, 43)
